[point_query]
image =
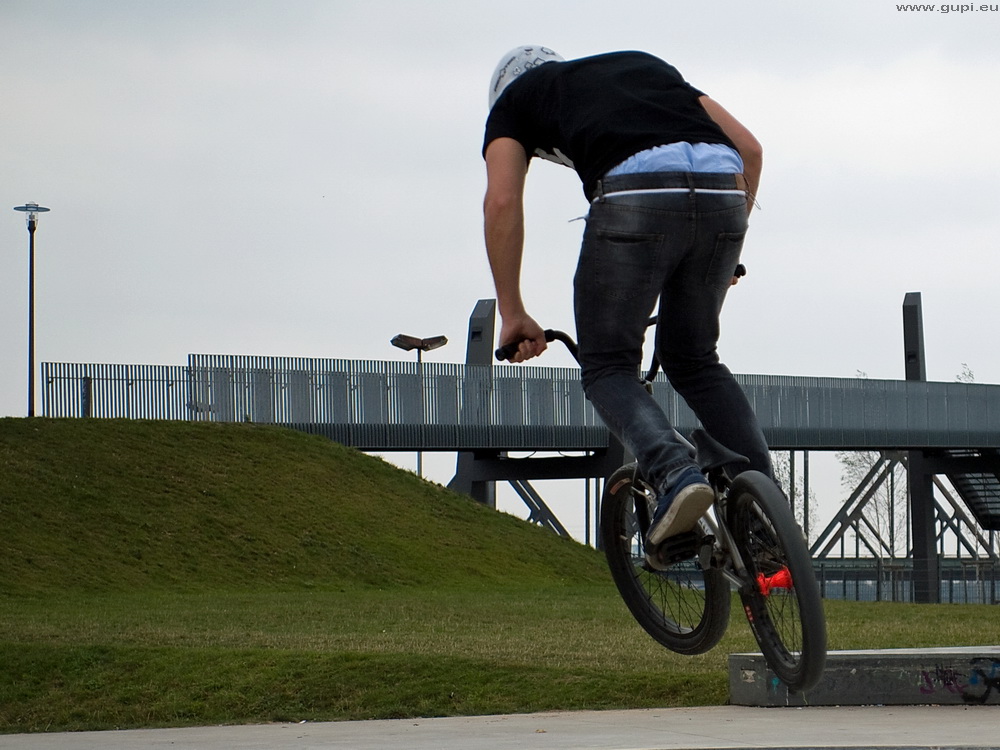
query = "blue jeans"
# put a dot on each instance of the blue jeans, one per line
(683, 248)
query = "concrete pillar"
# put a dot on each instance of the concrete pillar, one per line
(478, 351)
(926, 565)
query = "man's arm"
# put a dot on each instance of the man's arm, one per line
(748, 146)
(503, 220)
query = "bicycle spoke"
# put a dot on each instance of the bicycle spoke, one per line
(682, 606)
(774, 581)
(674, 592)
(778, 565)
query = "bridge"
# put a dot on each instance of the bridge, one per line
(403, 406)
(484, 412)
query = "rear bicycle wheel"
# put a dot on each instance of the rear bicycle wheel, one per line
(683, 607)
(781, 597)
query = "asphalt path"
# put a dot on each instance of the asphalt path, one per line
(652, 729)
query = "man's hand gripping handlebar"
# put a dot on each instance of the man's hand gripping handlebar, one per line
(509, 350)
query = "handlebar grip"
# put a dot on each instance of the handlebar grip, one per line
(509, 350)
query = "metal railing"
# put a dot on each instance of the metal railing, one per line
(394, 405)
(367, 404)
(961, 581)
(116, 391)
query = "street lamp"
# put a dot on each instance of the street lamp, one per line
(32, 210)
(408, 344)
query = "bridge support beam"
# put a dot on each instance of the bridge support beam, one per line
(926, 565)
(478, 351)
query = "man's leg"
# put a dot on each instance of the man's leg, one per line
(688, 332)
(626, 255)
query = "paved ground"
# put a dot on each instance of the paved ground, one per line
(655, 729)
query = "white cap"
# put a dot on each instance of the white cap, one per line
(514, 63)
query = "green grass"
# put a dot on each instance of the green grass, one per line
(115, 505)
(205, 658)
(170, 574)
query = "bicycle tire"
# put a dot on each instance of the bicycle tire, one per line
(781, 599)
(684, 608)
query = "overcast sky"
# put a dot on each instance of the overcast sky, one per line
(303, 177)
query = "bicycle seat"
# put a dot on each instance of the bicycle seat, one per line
(714, 455)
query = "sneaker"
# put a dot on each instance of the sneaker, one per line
(679, 510)
(672, 550)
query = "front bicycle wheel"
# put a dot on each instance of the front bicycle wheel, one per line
(781, 597)
(683, 607)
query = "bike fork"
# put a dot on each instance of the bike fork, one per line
(724, 554)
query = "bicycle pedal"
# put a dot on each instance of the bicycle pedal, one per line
(676, 548)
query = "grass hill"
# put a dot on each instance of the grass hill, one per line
(170, 574)
(113, 505)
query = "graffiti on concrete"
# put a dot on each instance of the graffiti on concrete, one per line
(984, 678)
(977, 685)
(942, 678)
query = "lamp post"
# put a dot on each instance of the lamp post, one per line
(408, 344)
(32, 210)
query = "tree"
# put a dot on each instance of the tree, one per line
(781, 462)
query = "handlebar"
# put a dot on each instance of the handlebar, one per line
(509, 350)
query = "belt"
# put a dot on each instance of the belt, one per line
(657, 181)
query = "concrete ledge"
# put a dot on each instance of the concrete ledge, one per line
(968, 675)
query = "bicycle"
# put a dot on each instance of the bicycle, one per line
(680, 590)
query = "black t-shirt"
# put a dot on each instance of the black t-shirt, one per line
(593, 113)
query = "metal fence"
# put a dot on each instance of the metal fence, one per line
(961, 581)
(116, 391)
(432, 406)
(366, 404)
